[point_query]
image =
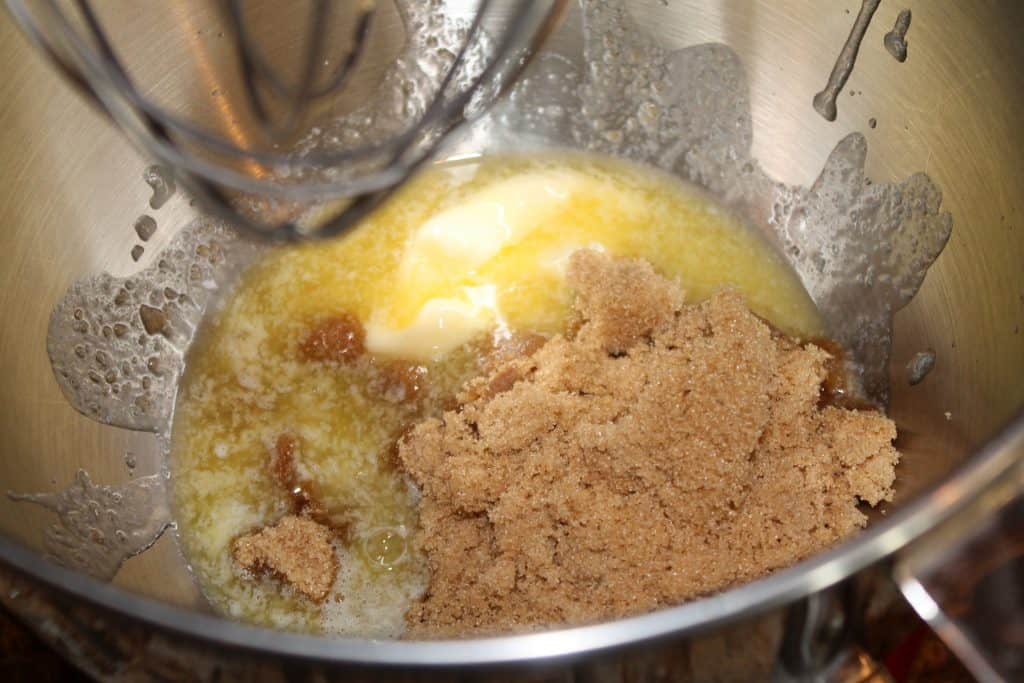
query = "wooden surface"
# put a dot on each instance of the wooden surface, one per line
(24, 658)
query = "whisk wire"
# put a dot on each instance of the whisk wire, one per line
(208, 164)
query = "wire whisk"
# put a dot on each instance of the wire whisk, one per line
(263, 178)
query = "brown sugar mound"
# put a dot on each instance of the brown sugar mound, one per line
(666, 451)
(296, 549)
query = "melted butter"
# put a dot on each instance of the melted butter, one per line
(498, 254)
(462, 249)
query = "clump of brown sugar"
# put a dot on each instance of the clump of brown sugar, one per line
(296, 549)
(664, 452)
(339, 338)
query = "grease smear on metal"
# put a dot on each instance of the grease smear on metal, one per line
(99, 527)
(895, 41)
(825, 101)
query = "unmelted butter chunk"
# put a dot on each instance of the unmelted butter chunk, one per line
(441, 325)
(437, 277)
(464, 237)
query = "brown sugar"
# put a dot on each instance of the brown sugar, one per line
(296, 549)
(339, 338)
(664, 452)
(301, 493)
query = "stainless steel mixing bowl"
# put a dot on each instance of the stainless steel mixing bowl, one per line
(73, 188)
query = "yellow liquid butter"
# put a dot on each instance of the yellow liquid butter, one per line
(461, 252)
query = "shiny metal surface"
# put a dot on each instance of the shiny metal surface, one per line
(73, 188)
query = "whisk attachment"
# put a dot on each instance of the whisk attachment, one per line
(267, 143)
